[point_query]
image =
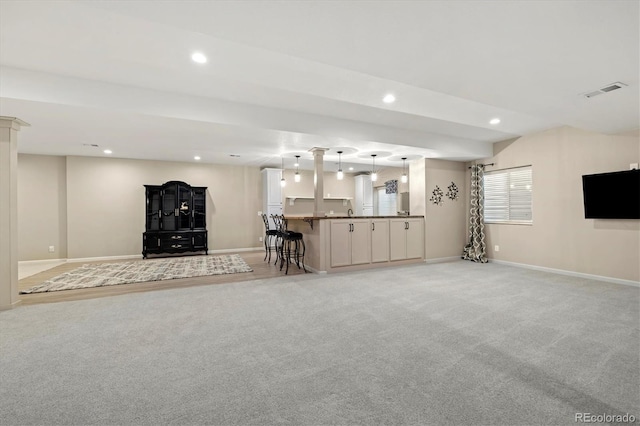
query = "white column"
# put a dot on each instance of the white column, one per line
(318, 181)
(9, 127)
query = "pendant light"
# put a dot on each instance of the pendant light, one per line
(340, 174)
(283, 182)
(404, 177)
(296, 177)
(374, 175)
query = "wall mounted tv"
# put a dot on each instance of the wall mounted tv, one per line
(612, 195)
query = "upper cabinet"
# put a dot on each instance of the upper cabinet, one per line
(272, 191)
(364, 196)
(271, 194)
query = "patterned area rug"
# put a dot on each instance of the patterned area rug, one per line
(104, 274)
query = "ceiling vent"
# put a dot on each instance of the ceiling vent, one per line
(606, 89)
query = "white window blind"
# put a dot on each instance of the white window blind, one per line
(507, 195)
(386, 203)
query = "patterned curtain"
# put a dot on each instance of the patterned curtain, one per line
(476, 249)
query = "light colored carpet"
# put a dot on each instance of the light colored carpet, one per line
(456, 343)
(105, 274)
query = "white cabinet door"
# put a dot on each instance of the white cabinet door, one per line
(406, 238)
(363, 195)
(360, 241)
(272, 191)
(397, 239)
(340, 234)
(415, 238)
(350, 242)
(379, 240)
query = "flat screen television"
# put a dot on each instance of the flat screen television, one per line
(613, 195)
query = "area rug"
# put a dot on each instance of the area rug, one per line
(105, 274)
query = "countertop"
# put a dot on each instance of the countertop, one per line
(349, 217)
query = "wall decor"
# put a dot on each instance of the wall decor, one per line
(436, 197)
(452, 192)
(391, 186)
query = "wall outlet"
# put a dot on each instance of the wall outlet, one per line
(496, 248)
(260, 239)
(633, 166)
(52, 249)
(259, 213)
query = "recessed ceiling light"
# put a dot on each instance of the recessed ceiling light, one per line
(199, 58)
(197, 157)
(494, 121)
(107, 151)
(389, 99)
(350, 168)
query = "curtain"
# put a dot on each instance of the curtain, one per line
(476, 249)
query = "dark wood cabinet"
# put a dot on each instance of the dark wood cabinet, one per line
(176, 219)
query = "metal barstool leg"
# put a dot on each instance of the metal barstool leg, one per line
(266, 238)
(304, 249)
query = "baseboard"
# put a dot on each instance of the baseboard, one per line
(236, 250)
(11, 306)
(40, 262)
(442, 259)
(102, 258)
(569, 273)
(314, 270)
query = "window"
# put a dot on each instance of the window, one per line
(507, 196)
(386, 203)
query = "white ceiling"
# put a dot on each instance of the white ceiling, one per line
(285, 76)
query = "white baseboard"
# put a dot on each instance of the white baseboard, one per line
(569, 273)
(443, 259)
(236, 250)
(102, 258)
(314, 270)
(40, 262)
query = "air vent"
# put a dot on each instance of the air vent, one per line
(90, 144)
(606, 89)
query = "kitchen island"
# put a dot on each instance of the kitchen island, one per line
(343, 243)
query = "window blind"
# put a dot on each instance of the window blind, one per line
(507, 195)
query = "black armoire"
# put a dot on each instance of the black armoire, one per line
(176, 219)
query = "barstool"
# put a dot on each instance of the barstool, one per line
(287, 239)
(269, 237)
(279, 238)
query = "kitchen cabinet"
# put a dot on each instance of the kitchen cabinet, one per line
(350, 242)
(175, 219)
(271, 193)
(363, 196)
(379, 240)
(406, 238)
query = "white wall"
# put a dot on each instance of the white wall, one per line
(42, 207)
(560, 237)
(94, 206)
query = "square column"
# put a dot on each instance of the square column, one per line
(9, 127)
(318, 181)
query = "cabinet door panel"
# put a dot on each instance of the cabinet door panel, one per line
(340, 243)
(169, 200)
(397, 239)
(360, 241)
(274, 190)
(199, 240)
(153, 207)
(199, 208)
(379, 240)
(415, 239)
